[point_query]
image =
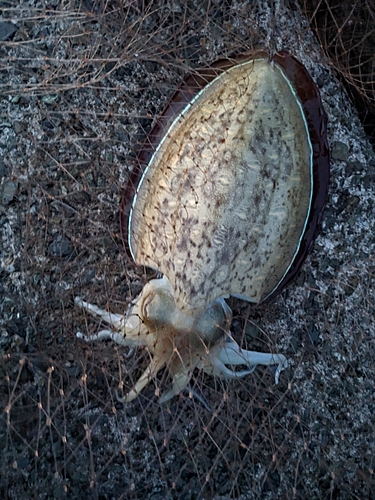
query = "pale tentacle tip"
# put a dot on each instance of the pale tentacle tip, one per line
(81, 335)
(127, 398)
(196, 393)
(78, 301)
(282, 364)
(180, 381)
(129, 354)
(166, 396)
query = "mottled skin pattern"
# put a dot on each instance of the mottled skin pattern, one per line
(223, 203)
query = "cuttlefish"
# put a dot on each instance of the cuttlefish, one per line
(225, 201)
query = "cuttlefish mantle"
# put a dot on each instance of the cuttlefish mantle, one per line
(226, 201)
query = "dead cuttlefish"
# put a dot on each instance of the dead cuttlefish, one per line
(226, 202)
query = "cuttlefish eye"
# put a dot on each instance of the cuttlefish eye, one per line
(159, 310)
(212, 323)
(158, 307)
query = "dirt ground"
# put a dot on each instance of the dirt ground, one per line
(82, 83)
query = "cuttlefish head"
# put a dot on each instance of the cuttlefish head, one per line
(178, 340)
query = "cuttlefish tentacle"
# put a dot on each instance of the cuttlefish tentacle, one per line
(175, 339)
(232, 354)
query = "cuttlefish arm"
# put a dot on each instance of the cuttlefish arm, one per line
(150, 372)
(179, 341)
(128, 329)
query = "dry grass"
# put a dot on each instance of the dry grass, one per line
(347, 33)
